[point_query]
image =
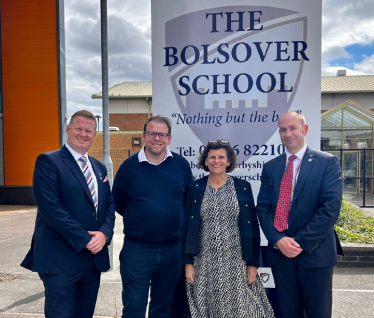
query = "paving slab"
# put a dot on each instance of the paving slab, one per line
(16, 224)
(23, 297)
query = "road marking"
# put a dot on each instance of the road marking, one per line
(354, 290)
(12, 238)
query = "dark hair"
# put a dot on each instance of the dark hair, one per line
(159, 119)
(231, 156)
(85, 114)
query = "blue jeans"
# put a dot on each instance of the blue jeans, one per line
(143, 267)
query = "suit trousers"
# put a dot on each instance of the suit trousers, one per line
(143, 268)
(302, 289)
(71, 296)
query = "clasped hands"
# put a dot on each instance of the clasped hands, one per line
(190, 274)
(97, 241)
(289, 247)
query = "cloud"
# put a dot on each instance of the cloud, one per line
(334, 53)
(125, 38)
(138, 12)
(344, 23)
(367, 65)
(130, 68)
(328, 70)
(82, 9)
(129, 48)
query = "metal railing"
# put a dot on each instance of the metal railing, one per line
(362, 177)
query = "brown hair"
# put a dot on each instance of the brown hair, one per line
(159, 119)
(85, 114)
(231, 156)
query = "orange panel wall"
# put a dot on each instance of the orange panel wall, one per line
(30, 85)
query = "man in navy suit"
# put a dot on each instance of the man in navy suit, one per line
(303, 250)
(74, 224)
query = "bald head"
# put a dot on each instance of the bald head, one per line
(292, 131)
(294, 113)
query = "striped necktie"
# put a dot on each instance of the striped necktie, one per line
(87, 174)
(284, 200)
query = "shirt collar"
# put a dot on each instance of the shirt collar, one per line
(75, 154)
(299, 154)
(142, 157)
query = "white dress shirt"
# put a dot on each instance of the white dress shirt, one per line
(300, 156)
(76, 156)
(142, 157)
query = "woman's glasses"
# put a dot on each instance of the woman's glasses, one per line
(219, 141)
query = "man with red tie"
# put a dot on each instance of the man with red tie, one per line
(298, 204)
(74, 223)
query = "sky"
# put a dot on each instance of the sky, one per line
(347, 43)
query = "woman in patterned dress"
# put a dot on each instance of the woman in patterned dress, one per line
(221, 242)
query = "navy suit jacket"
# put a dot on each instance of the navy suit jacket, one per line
(65, 215)
(247, 221)
(314, 209)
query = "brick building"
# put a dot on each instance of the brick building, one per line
(347, 121)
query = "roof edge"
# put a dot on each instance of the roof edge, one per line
(94, 96)
(347, 92)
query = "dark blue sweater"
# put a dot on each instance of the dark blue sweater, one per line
(151, 199)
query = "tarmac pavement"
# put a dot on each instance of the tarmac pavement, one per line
(23, 296)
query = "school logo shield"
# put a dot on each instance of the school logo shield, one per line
(232, 84)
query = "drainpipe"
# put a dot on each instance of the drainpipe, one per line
(149, 107)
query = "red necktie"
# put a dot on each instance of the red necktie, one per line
(284, 200)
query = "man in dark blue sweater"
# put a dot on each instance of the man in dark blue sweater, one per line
(149, 192)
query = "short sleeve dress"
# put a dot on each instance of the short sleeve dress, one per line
(220, 286)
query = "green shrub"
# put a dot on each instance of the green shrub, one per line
(353, 226)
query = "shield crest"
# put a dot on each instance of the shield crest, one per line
(234, 85)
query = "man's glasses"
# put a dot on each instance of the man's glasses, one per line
(220, 141)
(153, 135)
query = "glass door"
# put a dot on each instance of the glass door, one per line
(350, 168)
(368, 171)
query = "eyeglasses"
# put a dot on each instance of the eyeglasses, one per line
(220, 141)
(153, 135)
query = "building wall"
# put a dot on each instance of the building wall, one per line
(129, 105)
(128, 122)
(120, 145)
(329, 101)
(30, 85)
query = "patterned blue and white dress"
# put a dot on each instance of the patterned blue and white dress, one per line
(220, 286)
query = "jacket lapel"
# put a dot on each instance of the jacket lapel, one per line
(69, 160)
(200, 185)
(306, 167)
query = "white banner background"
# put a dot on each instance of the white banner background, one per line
(194, 45)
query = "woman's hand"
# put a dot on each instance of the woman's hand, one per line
(251, 274)
(190, 273)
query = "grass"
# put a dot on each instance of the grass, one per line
(353, 226)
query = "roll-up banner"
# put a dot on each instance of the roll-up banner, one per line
(228, 69)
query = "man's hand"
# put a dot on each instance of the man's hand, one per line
(251, 274)
(97, 242)
(190, 273)
(289, 247)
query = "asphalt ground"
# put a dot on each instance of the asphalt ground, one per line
(23, 296)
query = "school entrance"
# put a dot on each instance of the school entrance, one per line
(347, 132)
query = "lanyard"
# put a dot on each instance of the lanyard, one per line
(296, 174)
